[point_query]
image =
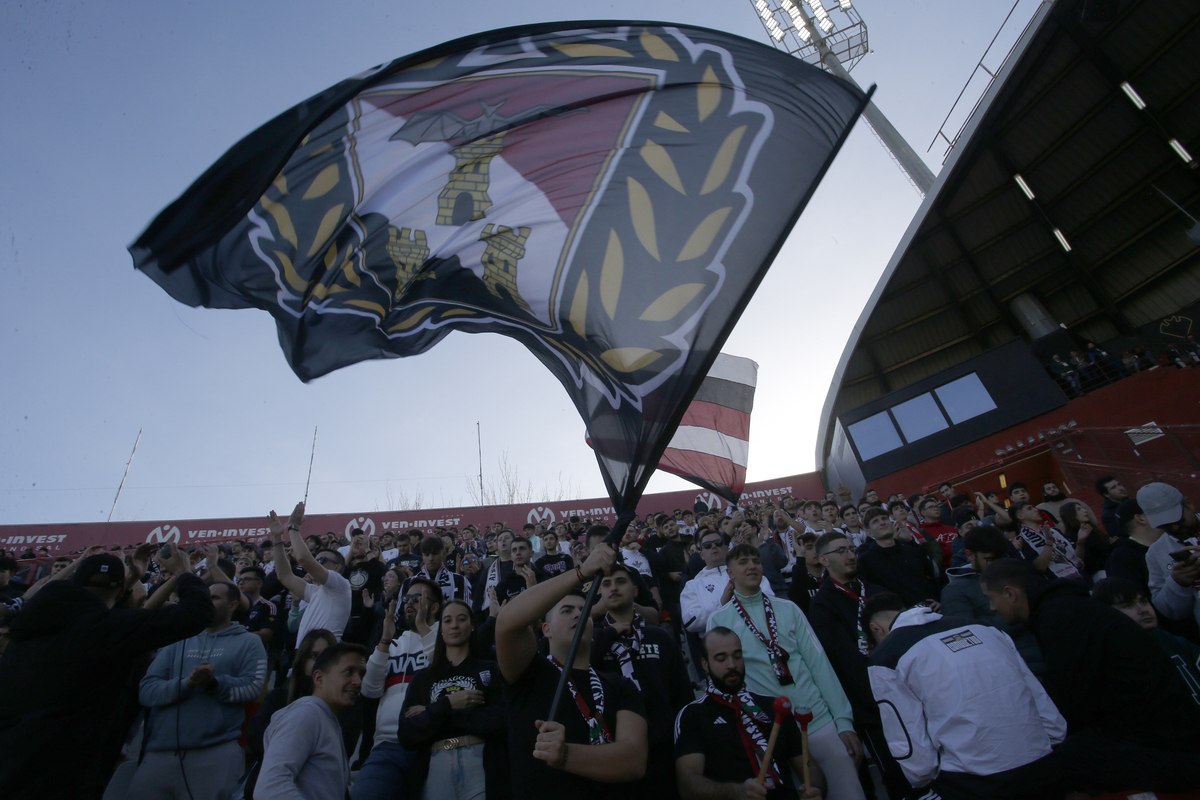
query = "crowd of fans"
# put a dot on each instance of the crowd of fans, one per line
(1081, 371)
(936, 645)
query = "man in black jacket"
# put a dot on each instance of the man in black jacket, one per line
(1131, 721)
(835, 614)
(894, 561)
(64, 676)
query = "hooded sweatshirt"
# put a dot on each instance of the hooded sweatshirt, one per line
(64, 639)
(186, 718)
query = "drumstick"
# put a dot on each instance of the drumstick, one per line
(805, 717)
(782, 708)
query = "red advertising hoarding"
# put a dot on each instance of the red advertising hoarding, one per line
(67, 538)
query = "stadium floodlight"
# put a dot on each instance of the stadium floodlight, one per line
(834, 38)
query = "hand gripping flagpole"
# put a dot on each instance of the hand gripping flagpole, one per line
(613, 539)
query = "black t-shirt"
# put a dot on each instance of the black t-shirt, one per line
(711, 729)
(657, 669)
(529, 700)
(264, 615)
(364, 575)
(510, 587)
(550, 566)
(803, 587)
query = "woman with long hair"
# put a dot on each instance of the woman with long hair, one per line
(298, 684)
(454, 718)
(1083, 531)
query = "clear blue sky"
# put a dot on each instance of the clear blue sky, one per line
(111, 110)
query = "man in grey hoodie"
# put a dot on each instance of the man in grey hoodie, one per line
(196, 690)
(304, 756)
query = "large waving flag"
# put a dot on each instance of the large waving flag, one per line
(609, 194)
(712, 443)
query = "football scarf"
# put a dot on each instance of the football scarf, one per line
(750, 719)
(779, 656)
(594, 716)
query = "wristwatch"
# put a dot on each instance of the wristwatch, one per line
(295, 528)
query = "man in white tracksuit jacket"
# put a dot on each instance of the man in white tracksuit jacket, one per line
(961, 712)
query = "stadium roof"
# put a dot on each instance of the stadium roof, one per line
(1095, 162)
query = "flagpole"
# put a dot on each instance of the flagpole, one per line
(123, 477)
(311, 456)
(479, 440)
(613, 539)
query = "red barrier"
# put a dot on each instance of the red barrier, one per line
(66, 538)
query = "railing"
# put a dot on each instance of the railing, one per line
(1135, 456)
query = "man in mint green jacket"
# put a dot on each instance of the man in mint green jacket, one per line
(783, 657)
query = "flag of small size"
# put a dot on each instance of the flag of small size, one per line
(711, 445)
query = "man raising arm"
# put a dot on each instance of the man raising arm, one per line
(600, 737)
(323, 587)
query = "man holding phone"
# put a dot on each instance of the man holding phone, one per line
(1174, 560)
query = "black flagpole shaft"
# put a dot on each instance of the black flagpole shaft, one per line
(613, 539)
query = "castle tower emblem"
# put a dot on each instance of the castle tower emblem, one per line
(505, 247)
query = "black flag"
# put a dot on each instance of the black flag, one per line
(609, 194)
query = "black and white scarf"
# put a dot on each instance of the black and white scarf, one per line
(627, 648)
(779, 656)
(593, 715)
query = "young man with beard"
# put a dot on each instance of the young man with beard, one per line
(1173, 562)
(389, 671)
(836, 614)
(323, 589)
(900, 566)
(304, 756)
(1132, 721)
(721, 739)
(783, 658)
(552, 561)
(961, 711)
(673, 552)
(648, 656)
(433, 568)
(196, 690)
(1053, 499)
(597, 746)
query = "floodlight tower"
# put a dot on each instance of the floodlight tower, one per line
(827, 37)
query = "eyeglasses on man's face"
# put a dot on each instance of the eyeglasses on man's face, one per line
(840, 551)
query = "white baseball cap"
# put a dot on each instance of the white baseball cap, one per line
(1162, 504)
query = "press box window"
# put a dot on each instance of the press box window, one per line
(875, 436)
(965, 398)
(919, 417)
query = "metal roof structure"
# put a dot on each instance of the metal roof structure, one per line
(1099, 119)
